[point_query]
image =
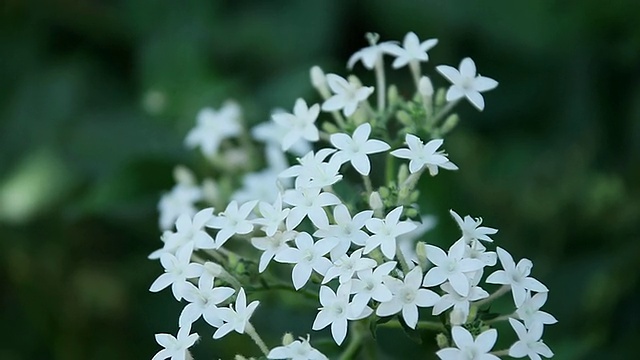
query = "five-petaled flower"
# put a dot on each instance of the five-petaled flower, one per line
(465, 83)
(347, 95)
(421, 155)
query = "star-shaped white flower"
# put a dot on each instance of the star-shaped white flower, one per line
(297, 350)
(191, 231)
(310, 167)
(336, 310)
(469, 349)
(370, 55)
(465, 83)
(370, 285)
(213, 127)
(231, 221)
(300, 124)
(235, 319)
(516, 276)
(412, 50)
(273, 134)
(272, 216)
(471, 229)
(307, 256)
(347, 95)
(355, 149)
(385, 232)
(178, 269)
(529, 343)
(459, 302)
(202, 302)
(346, 230)
(451, 267)
(175, 348)
(530, 312)
(346, 266)
(271, 246)
(406, 297)
(308, 202)
(421, 155)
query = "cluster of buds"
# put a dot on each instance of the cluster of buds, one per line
(339, 218)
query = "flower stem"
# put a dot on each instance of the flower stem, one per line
(503, 290)
(500, 353)
(380, 83)
(251, 331)
(355, 343)
(414, 65)
(444, 111)
(422, 324)
(498, 319)
(367, 184)
(403, 261)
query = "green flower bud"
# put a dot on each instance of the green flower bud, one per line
(442, 341)
(404, 118)
(441, 97)
(183, 175)
(392, 94)
(287, 339)
(330, 128)
(449, 124)
(421, 253)
(403, 173)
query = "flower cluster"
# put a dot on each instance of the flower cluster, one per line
(338, 216)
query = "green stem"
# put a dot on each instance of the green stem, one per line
(355, 343)
(422, 324)
(251, 331)
(503, 290)
(414, 65)
(403, 261)
(500, 353)
(380, 82)
(499, 318)
(367, 185)
(443, 112)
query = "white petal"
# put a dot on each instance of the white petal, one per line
(468, 68)
(475, 99)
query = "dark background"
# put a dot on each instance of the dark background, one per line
(85, 151)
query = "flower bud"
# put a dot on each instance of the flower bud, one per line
(375, 201)
(456, 317)
(330, 128)
(210, 191)
(287, 339)
(403, 173)
(421, 254)
(441, 97)
(449, 124)
(183, 175)
(404, 118)
(425, 87)
(392, 94)
(442, 341)
(214, 269)
(318, 79)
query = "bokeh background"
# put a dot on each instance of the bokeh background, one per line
(97, 96)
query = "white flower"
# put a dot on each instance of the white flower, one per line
(370, 55)
(407, 242)
(516, 276)
(529, 343)
(202, 302)
(235, 319)
(258, 186)
(347, 265)
(300, 124)
(451, 267)
(272, 216)
(308, 202)
(468, 348)
(347, 95)
(273, 134)
(530, 312)
(355, 149)
(272, 246)
(370, 285)
(465, 83)
(307, 256)
(232, 221)
(313, 171)
(180, 200)
(412, 50)
(471, 229)
(460, 303)
(191, 231)
(386, 231)
(421, 155)
(297, 350)
(175, 348)
(346, 230)
(178, 269)
(406, 297)
(476, 250)
(213, 127)
(336, 310)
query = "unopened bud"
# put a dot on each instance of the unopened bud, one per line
(354, 80)
(183, 175)
(330, 128)
(425, 87)
(404, 118)
(318, 79)
(392, 94)
(287, 339)
(449, 124)
(214, 269)
(403, 173)
(441, 97)
(421, 254)
(375, 201)
(442, 341)
(457, 317)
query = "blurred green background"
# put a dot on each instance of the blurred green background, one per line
(97, 96)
